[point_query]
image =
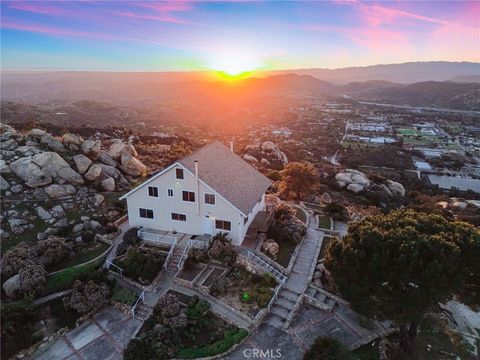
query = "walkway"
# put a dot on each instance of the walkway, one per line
(102, 337)
(284, 307)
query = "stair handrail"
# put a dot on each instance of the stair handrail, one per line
(276, 274)
(140, 298)
(275, 295)
(109, 263)
(184, 256)
(170, 252)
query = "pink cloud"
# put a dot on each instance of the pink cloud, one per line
(158, 11)
(39, 8)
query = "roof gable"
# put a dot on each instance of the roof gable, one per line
(229, 175)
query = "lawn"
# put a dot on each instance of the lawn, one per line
(29, 235)
(300, 214)
(80, 258)
(324, 221)
(408, 132)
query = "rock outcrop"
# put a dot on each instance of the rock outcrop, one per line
(267, 153)
(356, 182)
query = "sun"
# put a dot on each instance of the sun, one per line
(234, 65)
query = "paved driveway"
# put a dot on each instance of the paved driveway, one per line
(102, 337)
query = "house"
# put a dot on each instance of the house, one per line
(210, 191)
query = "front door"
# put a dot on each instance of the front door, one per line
(208, 225)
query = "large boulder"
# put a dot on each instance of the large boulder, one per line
(70, 175)
(49, 158)
(272, 152)
(271, 247)
(36, 133)
(250, 158)
(4, 185)
(12, 286)
(57, 191)
(30, 172)
(4, 168)
(93, 172)
(118, 147)
(396, 188)
(91, 148)
(108, 184)
(52, 143)
(72, 139)
(82, 163)
(132, 166)
(103, 157)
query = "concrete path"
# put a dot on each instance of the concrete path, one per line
(102, 337)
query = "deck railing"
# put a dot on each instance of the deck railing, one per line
(118, 268)
(153, 236)
(140, 298)
(170, 253)
(270, 269)
(184, 256)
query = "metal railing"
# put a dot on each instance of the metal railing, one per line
(270, 269)
(109, 264)
(275, 295)
(140, 298)
(144, 234)
(184, 256)
(170, 253)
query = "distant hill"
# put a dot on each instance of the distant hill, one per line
(467, 79)
(461, 96)
(405, 73)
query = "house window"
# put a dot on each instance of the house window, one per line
(146, 213)
(188, 196)
(170, 192)
(210, 199)
(223, 225)
(179, 173)
(153, 191)
(245, 220)
(179, 217)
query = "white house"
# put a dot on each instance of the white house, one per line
(210, 191)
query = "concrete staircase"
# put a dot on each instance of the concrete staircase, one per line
(282, 307)
(319, 298)
(143, 311)
(172, 266)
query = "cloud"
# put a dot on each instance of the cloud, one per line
(157, 11)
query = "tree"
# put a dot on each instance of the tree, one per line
(398, 266)
(297, 178)
(327, 349)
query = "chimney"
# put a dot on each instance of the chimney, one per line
(197, 187)
(231, 146)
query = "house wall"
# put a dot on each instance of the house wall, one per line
(163, 206)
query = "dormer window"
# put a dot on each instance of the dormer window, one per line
(179, 173)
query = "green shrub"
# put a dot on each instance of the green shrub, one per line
(142, 265)
(130, 238)
(231, 337)
(197, 308)
(125, 296)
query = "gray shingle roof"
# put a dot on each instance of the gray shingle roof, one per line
(228, 174)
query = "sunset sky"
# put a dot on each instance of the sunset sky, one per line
(234, 36)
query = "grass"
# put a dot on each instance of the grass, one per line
(80, 258)
(408, 132)
(63, 279)
(123, 295)
(56, 310)
(29, 235)
(324, 221)
(300, 214)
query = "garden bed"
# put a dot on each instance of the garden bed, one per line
(189, 273)
(324, 221)
(246, 292)
(183, 331)
(216, 273)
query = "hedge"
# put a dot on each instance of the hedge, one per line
(231, 337)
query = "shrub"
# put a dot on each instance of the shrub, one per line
(274, 175)
(16, 258)
(222, 250)
(197, 308)
(336, 211)
(51, 250)
(328, 349)
(125, 296)
(142, 265)
(87, 297)
(32, 278)
(219, 286)
(130, 238)
(17, 328)
(138, 349)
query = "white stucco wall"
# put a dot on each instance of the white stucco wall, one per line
(163, 206)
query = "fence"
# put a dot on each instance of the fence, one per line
(140, 298)
(184, 256)
(270, 269)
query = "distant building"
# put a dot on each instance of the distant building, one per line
(454, 182)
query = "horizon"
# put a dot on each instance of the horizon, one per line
(234, 37)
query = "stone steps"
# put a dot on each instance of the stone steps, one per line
(289, 295)
(285, 303)
(275, 321)
(143, 311)
(280, 311)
